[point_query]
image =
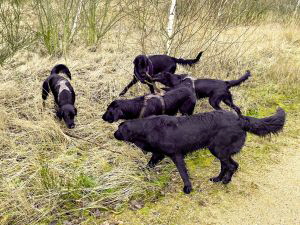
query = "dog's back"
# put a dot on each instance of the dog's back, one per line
(185, 133)
(62, 90)
(61, 68)
(60, 87)
(162, 63)
(167, 63)
(216, 130)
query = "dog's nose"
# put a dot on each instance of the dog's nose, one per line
(72, 126)
(118, 135)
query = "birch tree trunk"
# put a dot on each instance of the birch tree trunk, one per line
(171, 25)
(76, 20)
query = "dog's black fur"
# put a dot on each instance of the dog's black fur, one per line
(215, 90)
(154, 64)
(222, 132)
(180, 99)
(64, 98)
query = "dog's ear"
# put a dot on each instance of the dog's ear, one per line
(150, 66)
(143, 62)
(118, 114)
(135, 60)
(60, 113)
(175, 80)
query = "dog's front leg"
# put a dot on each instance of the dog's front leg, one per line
(155, 158)
(134, 81)
(151, 88)
(180, 164)
(45, 89)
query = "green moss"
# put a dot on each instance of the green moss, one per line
(85, 181)
(48, 178)
(162, 179)
(199, 159)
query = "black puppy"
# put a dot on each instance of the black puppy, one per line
(215, 90)
(182, 99)
(147, 66)
(222, 132)
(63, 92)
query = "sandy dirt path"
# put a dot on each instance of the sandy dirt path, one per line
(278, 198)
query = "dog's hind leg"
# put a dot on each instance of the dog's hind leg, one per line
(180, 164)
(228, 166)
(228, 101)
(134, 81)
(228, 172)
(155, 158)
(224, 145)
(230, 169)
(214, 101)
(151, 88)
(223, 166)
(236, 165)
(221, 175)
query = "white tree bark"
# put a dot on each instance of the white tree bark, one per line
(171, 25)
(76, 19)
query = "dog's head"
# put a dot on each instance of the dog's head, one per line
(68, 113)
(124, 133)
(168, 79)
(142, 68)
(113, 112)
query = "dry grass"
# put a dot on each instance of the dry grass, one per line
(47, 175)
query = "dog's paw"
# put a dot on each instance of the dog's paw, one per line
(226, 180)
(187, 189)
(215, 179)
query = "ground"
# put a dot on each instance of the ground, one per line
(53, 175)
(272, 197)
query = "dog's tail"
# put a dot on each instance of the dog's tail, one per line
(243, 78)
(61, 68)
(268, 125)
(188, 62)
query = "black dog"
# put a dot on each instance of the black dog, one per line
(147, 66)
(222, 132)
(63, 92)
(182, 99)
(216, 90)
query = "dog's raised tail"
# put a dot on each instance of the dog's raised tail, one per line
(268, 125)
(61, 68)
(188, 62)
(243, 78)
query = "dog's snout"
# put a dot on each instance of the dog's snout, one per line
(107, 118)
(118, 135)
(71, 126)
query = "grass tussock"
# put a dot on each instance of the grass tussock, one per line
(52, 174)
